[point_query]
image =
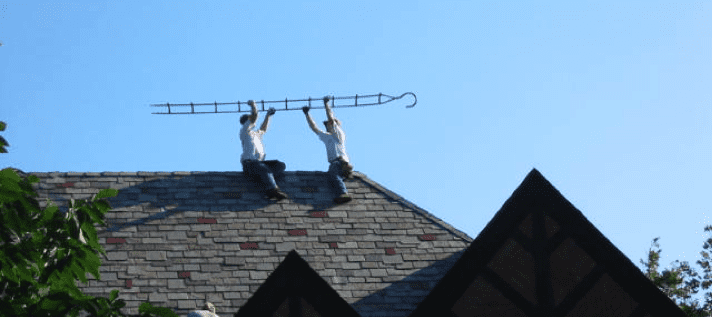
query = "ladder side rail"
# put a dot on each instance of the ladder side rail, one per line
(356, 98)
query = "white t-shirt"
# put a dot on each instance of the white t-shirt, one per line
(253, 148)
(334, 142)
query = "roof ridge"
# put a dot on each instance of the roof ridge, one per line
(406, 203)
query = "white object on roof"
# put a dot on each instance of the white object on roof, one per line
(202, 313)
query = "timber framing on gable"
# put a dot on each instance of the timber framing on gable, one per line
(539, 256)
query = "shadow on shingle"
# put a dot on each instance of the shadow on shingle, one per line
(211, 191)
(402, 297)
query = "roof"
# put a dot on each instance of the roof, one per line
(178, 239)
(539, 256)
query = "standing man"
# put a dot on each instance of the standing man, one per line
(339, 166)
(253, 158)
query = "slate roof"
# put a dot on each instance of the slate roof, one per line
(177, 239)
(539, 256)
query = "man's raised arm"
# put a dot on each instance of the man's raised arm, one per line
(330, 115)
(310, 121)
(270, 112)
(253, 113)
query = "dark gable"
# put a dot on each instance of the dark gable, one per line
(295, 289)
(539, 256)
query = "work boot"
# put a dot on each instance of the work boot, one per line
(276, 193)
(343, 198)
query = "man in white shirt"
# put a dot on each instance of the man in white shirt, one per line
(253, 158)
(208, 310)
(334, 138)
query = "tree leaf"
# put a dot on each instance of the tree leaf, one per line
(106, 193)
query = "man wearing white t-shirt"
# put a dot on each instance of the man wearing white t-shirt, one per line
(334, 138)
(253, 158)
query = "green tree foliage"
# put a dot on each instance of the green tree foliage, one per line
(705, 263)
(681, 281)
(3, 143)
(43, 253)
(42, 283)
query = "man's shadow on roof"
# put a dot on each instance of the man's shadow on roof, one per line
(404, 295)
(212, 191)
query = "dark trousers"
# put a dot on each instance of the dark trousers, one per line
(335, 177)
(264, 170)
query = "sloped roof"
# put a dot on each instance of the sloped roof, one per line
(295, 289)
(177, 239)
(539, 256)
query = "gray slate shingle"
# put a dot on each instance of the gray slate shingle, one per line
(191, 237)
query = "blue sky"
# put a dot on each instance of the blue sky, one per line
(609, 100)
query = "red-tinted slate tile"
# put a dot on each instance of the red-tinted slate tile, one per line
(318, 214)
(427, 237)
(207, 220)
(115, 240)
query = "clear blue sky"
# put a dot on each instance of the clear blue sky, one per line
(611, 101)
